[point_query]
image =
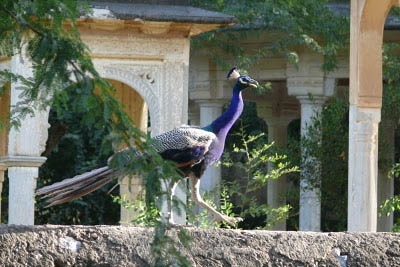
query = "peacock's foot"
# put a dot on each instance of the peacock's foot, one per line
(232, 221)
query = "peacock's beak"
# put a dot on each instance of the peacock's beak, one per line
(253, 83)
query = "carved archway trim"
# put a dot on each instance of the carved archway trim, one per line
(141, 86)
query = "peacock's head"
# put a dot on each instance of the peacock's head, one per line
(242, 81)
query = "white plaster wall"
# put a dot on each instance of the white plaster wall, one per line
(158, 69)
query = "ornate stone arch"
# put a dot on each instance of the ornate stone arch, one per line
(141, 86)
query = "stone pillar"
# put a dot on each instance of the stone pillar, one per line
(277, 132)
(25, 145)
(366, 36)
(310, 194)
(385, 185)
(174, 112)
(209, 111)
(308, 79)
(363, 168)
(22, 174)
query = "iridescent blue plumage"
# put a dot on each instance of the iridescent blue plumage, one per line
(221, 126)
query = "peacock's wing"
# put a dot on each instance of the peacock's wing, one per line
(185, 145)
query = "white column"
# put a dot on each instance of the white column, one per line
(209, 111)
(174, 110)
(310, 199)
(363, 169)
(385, 185)
(276, 194)
(22, 175)
(25, 146)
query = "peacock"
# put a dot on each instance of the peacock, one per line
(194, 149)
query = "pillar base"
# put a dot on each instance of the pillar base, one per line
(310, 209)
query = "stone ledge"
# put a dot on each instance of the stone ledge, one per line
(53, 245)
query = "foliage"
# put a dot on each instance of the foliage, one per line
(44, 34)
(390, 111)
(254, 166)
(81, 149)
(290, 24)
(144, 215)
(392, 204)
(391, 76)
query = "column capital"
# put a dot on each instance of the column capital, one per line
(316, 100)
(317, 85)
(22, 161)
(273, 121)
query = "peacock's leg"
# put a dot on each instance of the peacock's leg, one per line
(196, 197)
(172, 188)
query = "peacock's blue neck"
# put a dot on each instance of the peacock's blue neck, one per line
(221, 126)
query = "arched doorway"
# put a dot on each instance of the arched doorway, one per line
(136, 108)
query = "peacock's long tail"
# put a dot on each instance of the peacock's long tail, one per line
(80, 185)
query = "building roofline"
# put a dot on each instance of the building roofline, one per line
(160, 13)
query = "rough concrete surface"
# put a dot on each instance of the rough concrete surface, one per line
(53, 245)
